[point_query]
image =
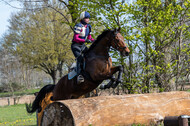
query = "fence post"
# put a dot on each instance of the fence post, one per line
(8, 100)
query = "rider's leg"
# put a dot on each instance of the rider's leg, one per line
(79, 62)
(76, 49)
(80, 78)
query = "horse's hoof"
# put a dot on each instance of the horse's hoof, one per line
(103, 87)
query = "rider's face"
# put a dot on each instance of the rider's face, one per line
(86, 20)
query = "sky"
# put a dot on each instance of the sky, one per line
(5, 13)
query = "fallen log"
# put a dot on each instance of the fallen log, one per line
(117, 110)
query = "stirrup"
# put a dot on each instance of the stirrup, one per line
(80, 79)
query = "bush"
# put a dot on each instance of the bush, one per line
(10, 87)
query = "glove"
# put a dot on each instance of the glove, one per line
(88, 41)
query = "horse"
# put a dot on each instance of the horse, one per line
(98, 67)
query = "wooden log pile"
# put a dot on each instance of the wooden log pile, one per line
(117, 110)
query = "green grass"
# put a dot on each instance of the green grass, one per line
(19, 93)
(16, 115)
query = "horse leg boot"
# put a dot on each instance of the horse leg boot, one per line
(80, 78)
(119, 79)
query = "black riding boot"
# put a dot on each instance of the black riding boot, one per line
(80, 78)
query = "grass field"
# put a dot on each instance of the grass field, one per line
(16, 115)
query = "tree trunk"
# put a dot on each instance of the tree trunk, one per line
(117, 110)
(178, 55)
(53, 76)
(147, 57)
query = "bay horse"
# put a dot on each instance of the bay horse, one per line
(98, 68)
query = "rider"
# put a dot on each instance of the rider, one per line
(82, 34)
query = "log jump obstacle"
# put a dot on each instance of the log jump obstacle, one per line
(117, 110)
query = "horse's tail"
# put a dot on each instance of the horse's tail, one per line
(31, 108)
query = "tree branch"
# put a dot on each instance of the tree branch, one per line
(61, 15)
(117, 21)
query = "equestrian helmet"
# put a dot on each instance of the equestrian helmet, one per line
(84, 14)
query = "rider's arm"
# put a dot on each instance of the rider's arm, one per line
(77, 39)
(90, 37)
(77, 31)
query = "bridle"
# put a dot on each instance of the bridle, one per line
(115, 42)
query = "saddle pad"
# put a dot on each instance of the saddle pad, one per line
(72, 74)
(73, 65)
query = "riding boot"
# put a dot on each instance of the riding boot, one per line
(80, 78)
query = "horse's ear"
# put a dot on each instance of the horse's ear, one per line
(115, 30)
(119, 29)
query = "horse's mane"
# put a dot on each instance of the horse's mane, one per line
(98, 39)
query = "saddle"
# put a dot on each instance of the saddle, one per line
(74, 72)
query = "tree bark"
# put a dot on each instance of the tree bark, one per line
(117, 110)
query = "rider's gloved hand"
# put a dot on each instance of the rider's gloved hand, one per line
(88, 41)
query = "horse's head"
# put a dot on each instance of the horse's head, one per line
(118, 43)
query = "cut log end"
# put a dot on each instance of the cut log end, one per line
(57, 114)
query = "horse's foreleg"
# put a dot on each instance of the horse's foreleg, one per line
(119, 79)
(113, 82)
(109, 84)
